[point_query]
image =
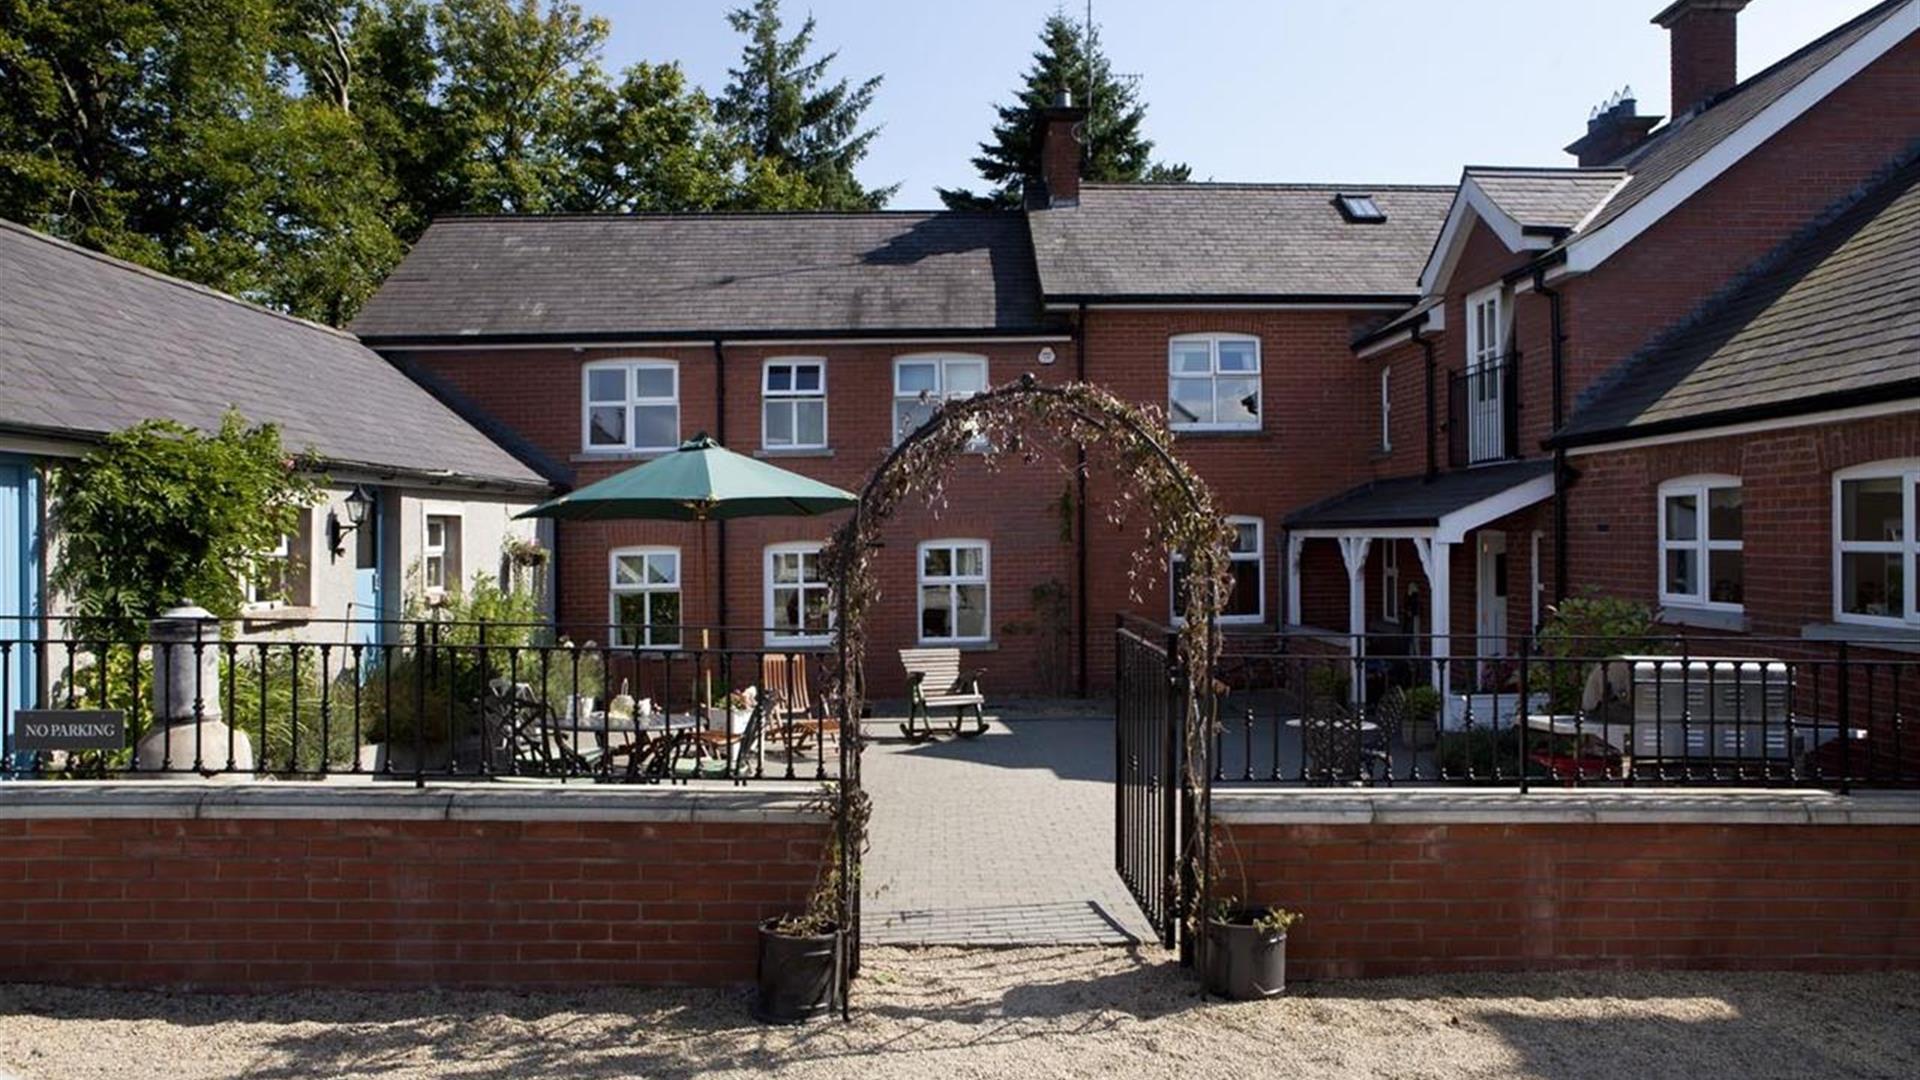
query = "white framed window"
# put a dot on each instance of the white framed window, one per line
(922, 382)
(1875, 553)
(1213, 382)
(1390, 580)
(630, 405)
(793, 411)
(271, 587)
(955, 591)
(1246, 566)
(799, 604)
(1386, 409)
(1700, 543)
(440, 553)
(644, 596)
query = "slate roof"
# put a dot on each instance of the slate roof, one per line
(1412, 501)
(1685, 140)
(91, 344)
(1834, 316)
(699, 275)
(1546, 199)
(1145, 242)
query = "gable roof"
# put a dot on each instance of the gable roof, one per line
(1527, 208)
(1832, 319)
(90, 344)
(1689, 151)
(664, 276)
(1454, 502)
(1169, 243)
(1675, 161)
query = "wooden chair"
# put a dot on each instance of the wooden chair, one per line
(794, 718)
(934, 681)
(719, 754)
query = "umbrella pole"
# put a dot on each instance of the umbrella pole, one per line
(706, 673)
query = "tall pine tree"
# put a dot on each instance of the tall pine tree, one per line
(790, 115)
(1069, 58)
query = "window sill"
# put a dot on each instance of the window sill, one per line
(1215, 432)
(802, 645)
(1892, 638)
(800, 452)
(1703, 618)
(266, 618)
(963, 646)
(588, 456)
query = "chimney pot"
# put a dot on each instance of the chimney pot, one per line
(1703, 38)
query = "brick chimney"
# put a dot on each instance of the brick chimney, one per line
(1702, 38)
(1060, 153)
(1614, 128)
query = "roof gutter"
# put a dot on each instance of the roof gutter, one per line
(1411, 328)
(1878, 394)
(83, 440)
(696, 337)
(1071, 300)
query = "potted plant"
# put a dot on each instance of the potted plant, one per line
(1247, 950)
(735, 705)
(1422, 704)
(798, 975)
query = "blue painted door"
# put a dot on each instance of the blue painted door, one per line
(19, 586)
(368, 555)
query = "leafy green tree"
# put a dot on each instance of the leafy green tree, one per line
(792, 117)
(1069, 58)
(161, 513)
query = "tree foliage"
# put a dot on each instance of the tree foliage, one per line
(790, 115)
(161, 513)
(288, 151)
(1069, 58)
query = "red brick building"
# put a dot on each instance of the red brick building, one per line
(1427, 408)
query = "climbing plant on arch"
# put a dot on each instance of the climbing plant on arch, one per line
(1159, 498)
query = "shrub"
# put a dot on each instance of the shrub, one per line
(1592, 627)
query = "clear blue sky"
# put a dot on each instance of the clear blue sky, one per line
(1377, 92)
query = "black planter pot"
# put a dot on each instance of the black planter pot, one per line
(1245, 964)
(798, 975)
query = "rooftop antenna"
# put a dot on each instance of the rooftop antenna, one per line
(1086, 45)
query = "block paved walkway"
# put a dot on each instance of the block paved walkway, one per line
(1006, 839)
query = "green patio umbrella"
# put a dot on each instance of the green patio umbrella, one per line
(700, 482)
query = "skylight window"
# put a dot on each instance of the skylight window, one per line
(1359, 209)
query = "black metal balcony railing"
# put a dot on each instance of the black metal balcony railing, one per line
(1483, 415)
(418, 701)
(1729, 712)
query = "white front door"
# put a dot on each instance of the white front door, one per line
(1491, 579)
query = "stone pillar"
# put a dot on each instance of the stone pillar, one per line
(188, 733)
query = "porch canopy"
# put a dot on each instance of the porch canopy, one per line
(1435, 514)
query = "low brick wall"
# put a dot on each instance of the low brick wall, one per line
(276, 886)
(1411, 883)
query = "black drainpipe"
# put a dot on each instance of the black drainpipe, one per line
(1080, 514)
(720, 527)
(1426, 346)
(1557, 337)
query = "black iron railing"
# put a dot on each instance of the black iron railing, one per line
(416, 701)
(1732, 712)
(1483, 415)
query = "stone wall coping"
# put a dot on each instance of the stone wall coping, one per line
(1643, 806)
(762, 802)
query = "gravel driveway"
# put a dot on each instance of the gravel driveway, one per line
(1038, 1012)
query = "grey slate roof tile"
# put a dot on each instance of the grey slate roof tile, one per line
(1835, 311)
(1235, 240)
(1412, 501)
(708, 274)
(1546, 198)
(90, 344)
(1687, 139)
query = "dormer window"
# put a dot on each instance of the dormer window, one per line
(1359, 209)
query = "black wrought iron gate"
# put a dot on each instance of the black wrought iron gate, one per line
(1152, 801)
